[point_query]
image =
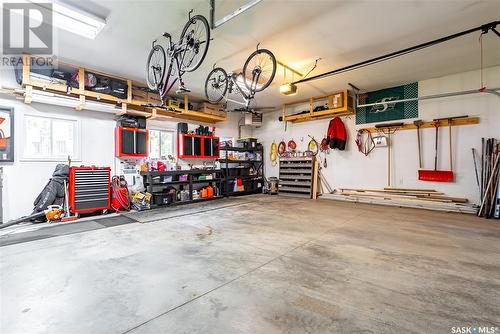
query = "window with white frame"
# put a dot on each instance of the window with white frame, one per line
(161, 144)
(50, 138)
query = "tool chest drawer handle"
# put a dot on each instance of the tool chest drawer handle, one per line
(91, 182)
(91, 199)
(93, 195)
(91, 190)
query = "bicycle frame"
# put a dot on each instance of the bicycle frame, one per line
(233, 83)
(173, 53)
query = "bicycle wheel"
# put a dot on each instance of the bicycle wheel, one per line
(259, 70)
(216, 85)
(196, 38)
(155, 67)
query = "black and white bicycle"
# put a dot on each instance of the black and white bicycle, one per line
(257, 75)
(165, 67)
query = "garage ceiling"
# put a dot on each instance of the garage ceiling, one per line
(298, 32)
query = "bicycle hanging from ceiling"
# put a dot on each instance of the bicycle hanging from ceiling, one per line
(258, 73)
(166, 65)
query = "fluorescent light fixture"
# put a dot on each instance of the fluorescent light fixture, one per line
(72, 102)
(58, 100)
(102, 107)
(75, 20)
(288, 89)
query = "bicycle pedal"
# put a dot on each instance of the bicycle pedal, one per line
(182, 90)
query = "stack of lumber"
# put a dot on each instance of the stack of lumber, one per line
(490, 179)
(413, 198)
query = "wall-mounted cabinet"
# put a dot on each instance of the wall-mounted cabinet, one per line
(131, 142)
(191, 146)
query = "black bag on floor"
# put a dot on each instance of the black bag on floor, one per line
(53, 192)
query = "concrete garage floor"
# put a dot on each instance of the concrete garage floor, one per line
(259, 264)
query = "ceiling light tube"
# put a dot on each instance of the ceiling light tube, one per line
(53, 99)
(74, 20)
(102, 107)
(72, 102)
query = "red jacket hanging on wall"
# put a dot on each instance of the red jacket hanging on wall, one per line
(337, 135)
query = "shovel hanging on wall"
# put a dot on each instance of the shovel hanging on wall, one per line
(440, 175)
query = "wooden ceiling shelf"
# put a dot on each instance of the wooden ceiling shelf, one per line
(128, 105)
(338, 103)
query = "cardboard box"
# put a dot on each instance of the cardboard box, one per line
(213, 109)
(174, 103)
(154, 98)
(139, 94)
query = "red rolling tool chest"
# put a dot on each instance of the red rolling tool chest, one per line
(89, 189)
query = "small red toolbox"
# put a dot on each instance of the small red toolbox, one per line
(89, 189)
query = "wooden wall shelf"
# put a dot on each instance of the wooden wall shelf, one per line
(127, 105)
(431, 124)
(339, 104)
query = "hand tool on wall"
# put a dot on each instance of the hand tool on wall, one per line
(389, 129)
(325, 149)
(440, 175)
(490, 201)
(435, 174)
(436, 125)
(491, 185)
(482, 166)
(418, 123)
(389, 144)
(475, 167)
(450, 121)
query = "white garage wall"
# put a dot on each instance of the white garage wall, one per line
(23, 180)
(351, 169)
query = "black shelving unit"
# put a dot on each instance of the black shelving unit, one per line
(152, 183)
(254, 181)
